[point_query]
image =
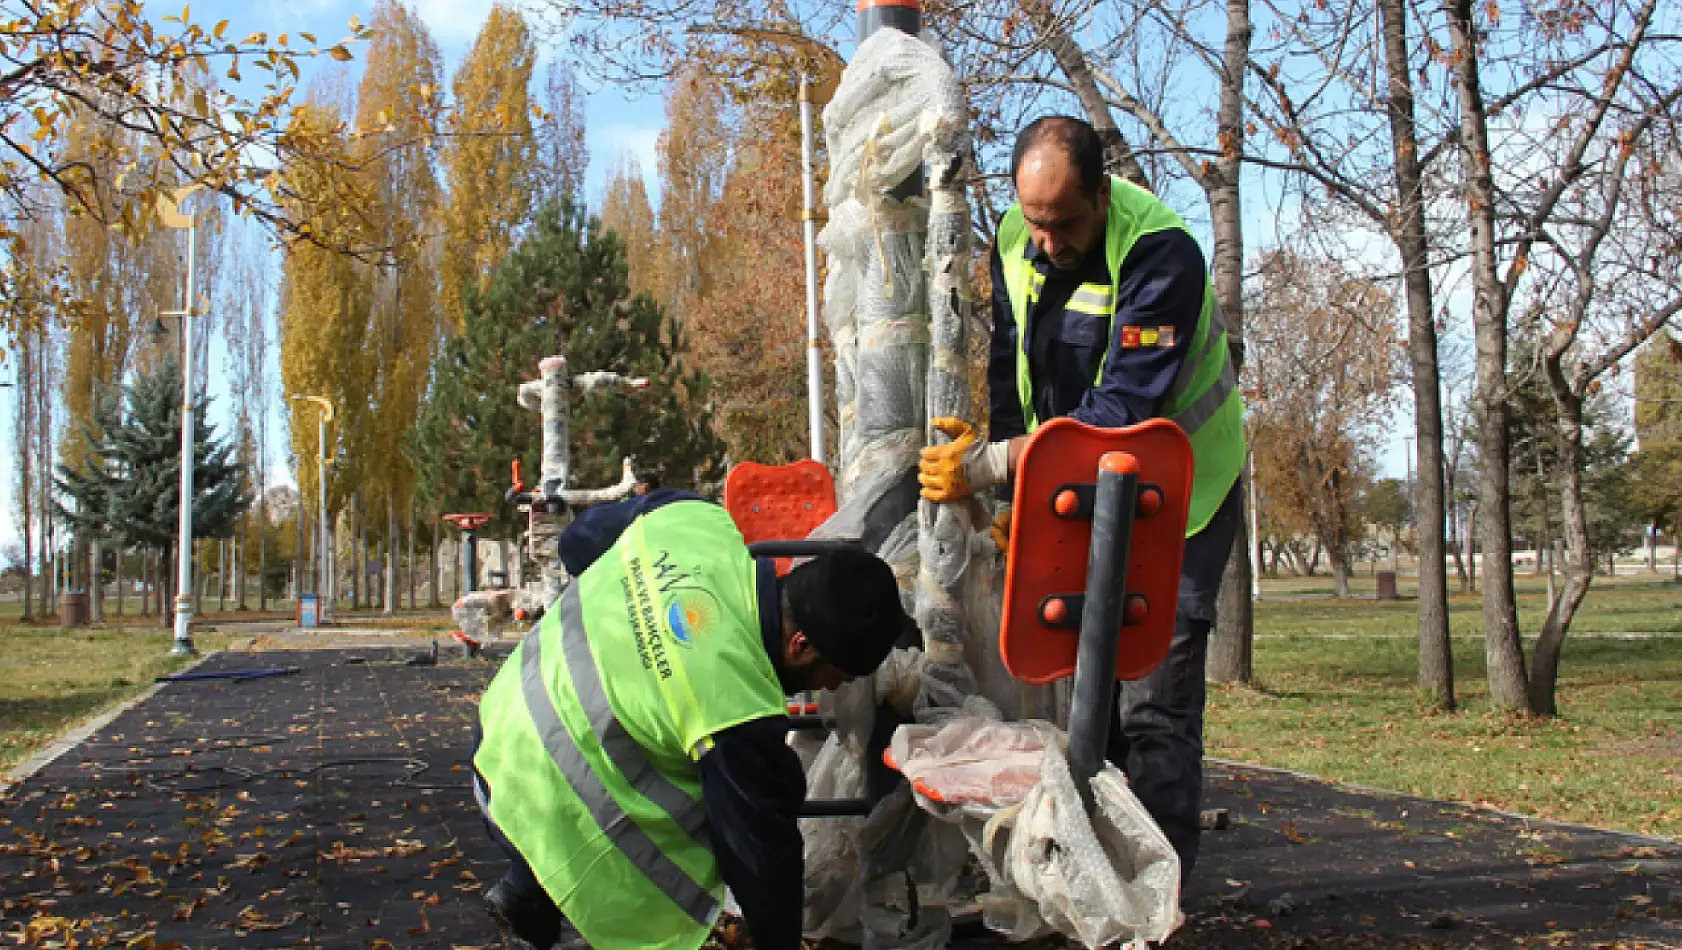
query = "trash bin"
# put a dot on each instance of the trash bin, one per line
(309, 611)
(73, 609)
(1387, 585)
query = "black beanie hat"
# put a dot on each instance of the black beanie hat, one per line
(846, 602)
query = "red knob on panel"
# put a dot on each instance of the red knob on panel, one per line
(1066, 503)
(1055, 611)
(1150, 501)
(1136, 610)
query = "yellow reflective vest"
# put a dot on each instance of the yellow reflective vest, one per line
(1203, 400)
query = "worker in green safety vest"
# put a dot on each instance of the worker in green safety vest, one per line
(632, 757)
(1103, 311)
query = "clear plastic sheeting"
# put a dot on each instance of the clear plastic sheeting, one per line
(484, 614)
(1100, 878)
(900, 358)
(834, 897)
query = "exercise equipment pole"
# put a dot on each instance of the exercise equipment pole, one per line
(1101, 617)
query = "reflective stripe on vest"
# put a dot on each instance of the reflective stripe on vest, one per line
(625, 834)
(1203, 399)
(588, 750)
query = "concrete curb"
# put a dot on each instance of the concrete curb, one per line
(80, 733)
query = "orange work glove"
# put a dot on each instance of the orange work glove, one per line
(1001, 530)
(962, 467)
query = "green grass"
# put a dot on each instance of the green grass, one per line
(1348, 710)
(1306, 607)
(52, 679)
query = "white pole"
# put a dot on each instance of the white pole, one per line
(809, 224)
(184, 543)
(324, 578)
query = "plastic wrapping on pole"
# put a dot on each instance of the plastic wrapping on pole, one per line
(1100, 620)
(556, 457)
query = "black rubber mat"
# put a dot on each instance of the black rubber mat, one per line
(332, 809)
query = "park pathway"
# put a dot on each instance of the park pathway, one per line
(331, 809)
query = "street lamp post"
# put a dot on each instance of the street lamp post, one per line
(324, 575)
(169, 211)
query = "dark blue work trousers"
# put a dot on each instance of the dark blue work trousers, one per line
(1157, 734)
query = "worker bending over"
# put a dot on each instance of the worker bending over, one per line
(1103, 312)
(632, 756)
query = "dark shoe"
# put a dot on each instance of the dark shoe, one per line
(526, 922)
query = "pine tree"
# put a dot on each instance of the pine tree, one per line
(129, 482)
(563, 290)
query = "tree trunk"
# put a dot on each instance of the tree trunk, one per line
(96, 580)
(437, 580)
(1503, 650)
(1455, 541)
(361, 559)
(411, 563)
(1579, 566)
(1314, 558)
(1340, 575)
(241, 568)
(301, 562)
(166, 605)
(1231, 652)
(121, 593)
(1118, 154)
(389, 603)
(1545, 545)
(221, 574)
(1472, 545)
(203, 580)
(1230, 646)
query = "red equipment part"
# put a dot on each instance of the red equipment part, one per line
(1045, 573)
(469, 522)
(778, 502)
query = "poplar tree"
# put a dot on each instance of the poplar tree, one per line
(489, 162)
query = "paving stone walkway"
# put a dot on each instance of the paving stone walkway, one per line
(330, 809)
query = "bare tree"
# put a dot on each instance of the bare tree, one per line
(1518, 212)
(1325, 366)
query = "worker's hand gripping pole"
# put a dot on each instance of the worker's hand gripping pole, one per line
(1093, 696)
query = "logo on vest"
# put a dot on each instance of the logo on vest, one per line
(691, 613)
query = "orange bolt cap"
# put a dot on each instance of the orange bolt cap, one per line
(1119, 462)
(1066, 503)
(1136, 609)
(1150, 501)
(1055, 611)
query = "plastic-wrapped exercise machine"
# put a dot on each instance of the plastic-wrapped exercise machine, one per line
(898, 306)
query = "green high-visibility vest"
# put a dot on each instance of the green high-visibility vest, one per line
(593, 726)
(1203, 400)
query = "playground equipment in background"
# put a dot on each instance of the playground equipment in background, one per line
(484, 615)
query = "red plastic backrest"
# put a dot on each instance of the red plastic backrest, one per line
(1048, 553)
(779, 502)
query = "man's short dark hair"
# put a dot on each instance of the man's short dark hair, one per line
(1075, 137)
